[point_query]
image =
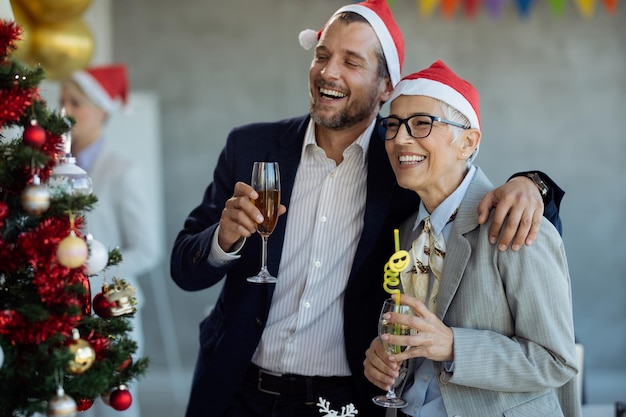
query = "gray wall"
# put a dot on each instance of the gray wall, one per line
(553, 95)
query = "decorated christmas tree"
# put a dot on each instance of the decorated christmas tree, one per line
(59, 349)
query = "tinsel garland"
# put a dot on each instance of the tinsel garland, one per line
(14, 102)
(10, 33)
(58, 287)
(22, 332)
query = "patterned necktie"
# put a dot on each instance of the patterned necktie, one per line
(427, 252)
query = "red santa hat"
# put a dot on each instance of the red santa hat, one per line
(440, 82)
(379, 16)
(106, 86)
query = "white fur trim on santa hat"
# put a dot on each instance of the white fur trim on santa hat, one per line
(96, 93)
(308, 38)
(439, 91)
(385, 38)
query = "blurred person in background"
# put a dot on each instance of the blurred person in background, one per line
(125, 215)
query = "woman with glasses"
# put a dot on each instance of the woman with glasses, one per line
(494, 330)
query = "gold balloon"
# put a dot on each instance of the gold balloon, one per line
(22, 52)
(55, 10)
(62, 48)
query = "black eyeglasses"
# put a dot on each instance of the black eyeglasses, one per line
(418, 125)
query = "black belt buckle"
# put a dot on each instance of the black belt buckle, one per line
(260, 381)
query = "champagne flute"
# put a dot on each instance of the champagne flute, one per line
(390, 400)
(266, 182)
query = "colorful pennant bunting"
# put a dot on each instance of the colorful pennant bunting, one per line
(557, 6)
(449, 8)
(427, 7)
(586, 7)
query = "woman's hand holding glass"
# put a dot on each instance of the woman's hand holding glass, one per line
(430, 338)
(424, 336)
(392, 334)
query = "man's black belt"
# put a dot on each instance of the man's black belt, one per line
(293, 385)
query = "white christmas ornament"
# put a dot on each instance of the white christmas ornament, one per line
(67, 177)
(70, 178)
(61, 405)
(98, 256)
(1, 356)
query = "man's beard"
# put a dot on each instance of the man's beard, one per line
(347, 117)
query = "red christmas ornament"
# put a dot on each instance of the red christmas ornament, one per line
(120, 398)
(34, 135)
(83, 404)
(101, 306)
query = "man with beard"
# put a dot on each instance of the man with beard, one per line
(274, 350)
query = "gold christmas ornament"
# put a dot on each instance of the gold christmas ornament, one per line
(72, 251)
(62, 47)
(84, 355)
(121, 296)
(54, 10)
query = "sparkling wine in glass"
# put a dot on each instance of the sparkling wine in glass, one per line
(266, 182)
(390, 399)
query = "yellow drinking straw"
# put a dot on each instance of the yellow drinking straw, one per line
(396, 264)
(396, 239)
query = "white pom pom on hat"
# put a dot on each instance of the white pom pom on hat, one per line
(379, 16)
(308, 38)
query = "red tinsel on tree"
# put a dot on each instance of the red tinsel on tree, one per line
(10, 33)
(50, 278)
(14, 102)
(37, 250)
(23, 332)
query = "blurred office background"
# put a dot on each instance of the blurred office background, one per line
(553, 90)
